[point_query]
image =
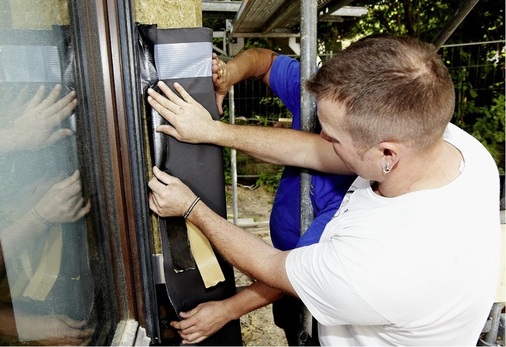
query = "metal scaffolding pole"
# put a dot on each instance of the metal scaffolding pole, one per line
(308, 21)
(455, 21)
(233, 158)
(233, 153)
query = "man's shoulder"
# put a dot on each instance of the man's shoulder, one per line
(473, 151)
(284, 64)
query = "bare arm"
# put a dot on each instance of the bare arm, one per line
(190, 122)
(209, 317)
(245, 251)
(251, 63)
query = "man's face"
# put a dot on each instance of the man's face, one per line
(331, 115)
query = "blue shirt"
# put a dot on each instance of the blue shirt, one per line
(326, 191)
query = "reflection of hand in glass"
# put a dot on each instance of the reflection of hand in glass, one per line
(60, 202)
(49, 330)
(63, 202)
(36, 125)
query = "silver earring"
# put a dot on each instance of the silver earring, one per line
(386, 168)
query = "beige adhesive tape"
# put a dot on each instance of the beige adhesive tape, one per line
(21, 277)
(49, 267)
(204, 256)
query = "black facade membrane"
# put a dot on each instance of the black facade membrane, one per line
(184, 56)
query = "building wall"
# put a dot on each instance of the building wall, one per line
(169, 13)
(33, 14)
(42, 14)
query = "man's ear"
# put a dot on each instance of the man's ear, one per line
(390, 151)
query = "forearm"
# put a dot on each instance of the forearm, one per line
(243, 250)
(250, 298)
(279, 146)
(251, 63)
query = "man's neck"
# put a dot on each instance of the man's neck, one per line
(435, 169)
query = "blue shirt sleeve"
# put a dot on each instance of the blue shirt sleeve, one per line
(284, 80)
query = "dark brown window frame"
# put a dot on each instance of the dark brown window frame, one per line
(105, 55)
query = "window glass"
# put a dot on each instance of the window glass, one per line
(51, 292)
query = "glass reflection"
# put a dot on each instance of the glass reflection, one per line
(46, 287)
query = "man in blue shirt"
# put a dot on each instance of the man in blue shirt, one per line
(284, 80)
(282, 75)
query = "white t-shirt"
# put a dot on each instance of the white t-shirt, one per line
(417, 269)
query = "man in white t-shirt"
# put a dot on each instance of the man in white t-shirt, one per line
(411, 257)
(397, 270)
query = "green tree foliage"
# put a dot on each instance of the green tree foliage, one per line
(421, 18)
(477, 72)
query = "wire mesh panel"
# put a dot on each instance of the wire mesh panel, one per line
(479, 65)
(477, 70)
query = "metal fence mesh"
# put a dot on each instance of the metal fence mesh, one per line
(477, 66)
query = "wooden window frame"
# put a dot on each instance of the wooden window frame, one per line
(103, 32)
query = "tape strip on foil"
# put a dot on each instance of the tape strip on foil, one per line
(183, 60)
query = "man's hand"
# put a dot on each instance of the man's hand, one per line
(222, 81)
(170, 197)
(189, 121)
(201, 322)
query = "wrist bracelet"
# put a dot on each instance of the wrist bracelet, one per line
(39, 217)
(187, 213)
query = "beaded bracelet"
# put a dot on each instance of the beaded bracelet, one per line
(187, 213)
(39, 217)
